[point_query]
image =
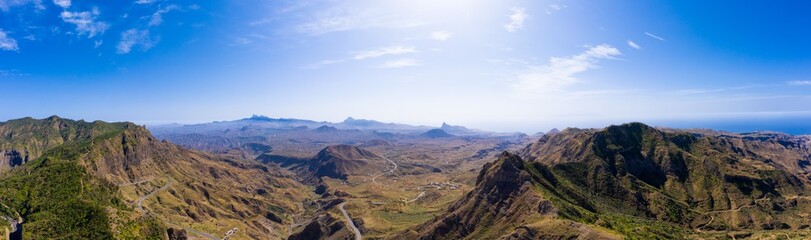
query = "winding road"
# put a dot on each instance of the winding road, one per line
(387, 172)
(738, 209)
(195, 232)
(135, 183)
(351, 223)
(416, 198)
(139, 204)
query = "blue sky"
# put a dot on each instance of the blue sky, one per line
(501, 65)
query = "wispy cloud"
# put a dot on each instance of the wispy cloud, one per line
(716, 90)
(634, 45)
(554, 7)
(157, 18)
(11, 73)
(134, 37)
(654, 36)
(145, 1)
(6, 4)
(400, 63)
(697, 91)
(238, 41)
(345, 19)
(85, 22)
(62, 3)
(799, 83)
(324, 63)
(441, 35)
(7, 43)
(517, 19)
(393, 50)
(560, 72)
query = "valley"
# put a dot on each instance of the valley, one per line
(293, 182)
(396, 179)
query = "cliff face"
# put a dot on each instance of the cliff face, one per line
(636, 181)
(26, 139)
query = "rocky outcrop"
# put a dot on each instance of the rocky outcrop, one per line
(176, 234)
(11, 158)
(324, 226)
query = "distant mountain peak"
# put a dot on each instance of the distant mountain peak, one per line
(259, 118)
(325, 128)
(451, 129)
(350, 119)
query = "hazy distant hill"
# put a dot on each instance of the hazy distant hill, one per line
(634, 181)
(436, 133)
(287, 123)
(263, 122)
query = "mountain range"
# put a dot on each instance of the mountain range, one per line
(101, 180)
(65, 179)
(259, 121)
(634, 181)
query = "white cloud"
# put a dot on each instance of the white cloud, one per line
(441, 35)
(799, 83)
(144, 1)
(157, 17)
(517, 19)
(393, 50)
(654, 36)
(85, 22)
(560, 72)
(399, 63)
(135, 37)
(634, 45)
(62, 3)
(7, 43)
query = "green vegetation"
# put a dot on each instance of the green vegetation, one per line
(634, 227)
(59, 199)
(147, 228)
